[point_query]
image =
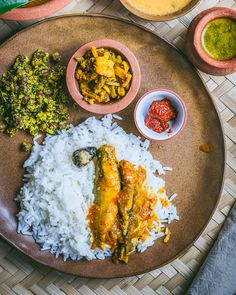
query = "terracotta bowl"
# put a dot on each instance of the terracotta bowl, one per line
(39, 11)
(160, 18)
(194, 48)
(143, 106)
(113, 107)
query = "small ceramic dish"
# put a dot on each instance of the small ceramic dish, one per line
(160, 18)
(143, 106)
(219, 13)
(194, 48)
(114, 106)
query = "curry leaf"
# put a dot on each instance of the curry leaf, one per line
(7, 5)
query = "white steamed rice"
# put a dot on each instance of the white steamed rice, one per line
(56, 195)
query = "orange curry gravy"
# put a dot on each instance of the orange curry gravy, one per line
(123, 210)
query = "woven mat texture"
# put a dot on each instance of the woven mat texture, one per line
(20, 275)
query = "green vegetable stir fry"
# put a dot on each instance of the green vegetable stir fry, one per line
(32, 97)
(26, 146)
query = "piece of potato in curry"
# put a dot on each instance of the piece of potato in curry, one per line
(103, 75)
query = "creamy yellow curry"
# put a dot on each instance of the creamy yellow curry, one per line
(159, 7)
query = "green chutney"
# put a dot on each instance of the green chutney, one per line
(219, 38)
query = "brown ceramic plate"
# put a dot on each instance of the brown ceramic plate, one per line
(197, 177)
(160, 18)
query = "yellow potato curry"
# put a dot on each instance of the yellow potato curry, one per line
(103, 76)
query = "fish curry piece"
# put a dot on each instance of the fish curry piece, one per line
(136, 210)
(103, 213)
(123, 211)
(103, 75)
(126, 199)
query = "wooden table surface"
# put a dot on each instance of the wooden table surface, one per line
(20, 275)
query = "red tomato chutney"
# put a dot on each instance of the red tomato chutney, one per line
(159, 114)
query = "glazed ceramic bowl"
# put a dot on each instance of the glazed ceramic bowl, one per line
(39, 11)
(194, 48)
(160, 18)
(220, 13)
(104, 108)
(143, 106)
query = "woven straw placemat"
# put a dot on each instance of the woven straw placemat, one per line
(20, 275)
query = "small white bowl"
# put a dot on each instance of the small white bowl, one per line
(143, 106)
